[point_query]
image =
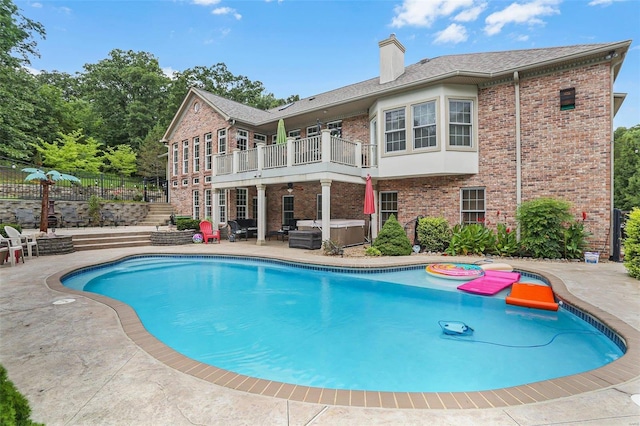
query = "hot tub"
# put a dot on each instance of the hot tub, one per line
(345, 232)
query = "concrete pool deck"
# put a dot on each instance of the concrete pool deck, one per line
(76, 365)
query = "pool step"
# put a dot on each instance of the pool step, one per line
(111, 240)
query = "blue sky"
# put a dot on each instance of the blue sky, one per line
(309, 47)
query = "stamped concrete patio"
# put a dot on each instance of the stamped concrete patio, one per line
(77, 366)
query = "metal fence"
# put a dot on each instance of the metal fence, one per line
(103, 185)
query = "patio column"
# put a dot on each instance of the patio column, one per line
(262, 216)
(326, 209)
(215, 208)
(325, 145)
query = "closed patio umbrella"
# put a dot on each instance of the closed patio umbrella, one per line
(281, 136)
(369, 203)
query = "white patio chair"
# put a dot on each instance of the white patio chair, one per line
(13, 248)
(24, 239)
(4, 252)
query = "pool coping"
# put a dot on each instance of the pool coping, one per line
(615, 373)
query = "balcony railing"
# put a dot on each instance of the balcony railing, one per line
(315, 149)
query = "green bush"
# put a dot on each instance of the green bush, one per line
(372, 251)
(506, 241)
(632, 244)
(14, 407)
(392, 240)
(183, 224)
(434, 233)
(471, 239)
(94, 210)
(575, 240)
(542, 231)
(13, 225)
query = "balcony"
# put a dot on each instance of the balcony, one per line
(313, 156)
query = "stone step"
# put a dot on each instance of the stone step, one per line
(105, 245)
(111, 240)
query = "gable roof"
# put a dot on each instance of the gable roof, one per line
(472, 68)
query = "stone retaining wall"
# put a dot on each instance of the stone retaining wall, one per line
(172, 238)
(60, 244)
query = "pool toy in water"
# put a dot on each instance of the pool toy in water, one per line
(455, 328)
(496, 267)
(455, 271)
(532, 296)
(490, 283)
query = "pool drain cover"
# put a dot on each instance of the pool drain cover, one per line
(63, 301)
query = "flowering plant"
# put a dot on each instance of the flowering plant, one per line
(506, 241)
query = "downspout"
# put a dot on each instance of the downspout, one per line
(516, 80)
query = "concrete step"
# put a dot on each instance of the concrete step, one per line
(110, 240)
(104, 245)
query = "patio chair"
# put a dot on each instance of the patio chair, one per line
(108, 216)
(23, 239)
(208, 233)
(25, 217)
(15, 249)
(4, 254)
(236, 232)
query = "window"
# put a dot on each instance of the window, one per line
(460, 113)
(222, 206)
(174, 159)
(196, 154)
(196, 181)
(313, 131)
(472, 205)
(258, 138)
(242, 140)
(185, 182)
(388, 206)
(174, 183)
(222, 141)
(424, 125)
(254, 207)
(208, 152)
(208, 207)
(196, 204)
(241, 203)
(319, 206)
(274, 139)
(336, 128)
(295, 134)
(185, 156)
(287, 209)
(394, 130)
(207, 179)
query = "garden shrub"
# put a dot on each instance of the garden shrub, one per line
(184, 224)
(372, 251)
(94, 210)
(434, 233)
(13, 225)
(506, 241)
(575, 240)
(542, 231)
(14, 407)
(392, 240)
(471, 239)
(632, 244)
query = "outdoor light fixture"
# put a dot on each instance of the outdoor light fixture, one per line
(290, 187)
(612, 54)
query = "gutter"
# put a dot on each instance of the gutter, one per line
(516, 81)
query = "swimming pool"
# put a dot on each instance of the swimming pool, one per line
(344, 329)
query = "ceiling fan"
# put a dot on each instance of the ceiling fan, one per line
(290, 187)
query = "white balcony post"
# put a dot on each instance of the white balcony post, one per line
(262, 214)
(325, 145)
(215, 208)
(236, 161)
(326, 209)
(289, 152)
(358, 154)
(261, 153)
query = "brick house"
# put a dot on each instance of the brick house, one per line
(462, 136)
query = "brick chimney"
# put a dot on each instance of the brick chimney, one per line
(391, 59)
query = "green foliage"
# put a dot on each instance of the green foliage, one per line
(372, 251)
(434, 233)
(13, 225)
(575, 240)
(95, 209)
(542, 227)
(632, 244)
(14, 407)
(506, 241)
(471, 239)
(626, 166)
(149, 160)
(17, 34)
(73, 151)
(392, 240)
(120, 160)
(331, 248)
(184, 224)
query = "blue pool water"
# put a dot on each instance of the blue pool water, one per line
(375, 331)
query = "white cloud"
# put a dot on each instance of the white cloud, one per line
(522, 37)
(206, 2)
(36, 5)
(454, 33)
(471, 14)
(226, 11)
(521, 13)
(420, 13)
(602, 2)
(169, 72)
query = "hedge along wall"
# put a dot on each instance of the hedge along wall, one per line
(127, 213)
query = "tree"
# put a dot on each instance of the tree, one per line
(46, 180)
(17, 36)
(120, 160)
(626, 181)
(392, 239)
(151, 159)
(71, 151)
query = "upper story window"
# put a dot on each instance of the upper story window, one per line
(295, 134)
(313, 131)
(196, 154)
(242, 140)
(394, 130)
(460, 123)
(222, 141)
(208, 151)
(424, 125)
(336, 128)
(174, 159)
(185, 156)
(258, 138)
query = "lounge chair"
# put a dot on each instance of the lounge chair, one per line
(15, 249)
(25, 217)
(71, 216)
(22, 239)
(208, 233)
(236, 232)
(108, 216)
